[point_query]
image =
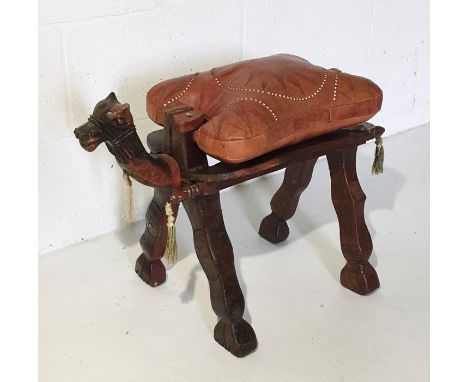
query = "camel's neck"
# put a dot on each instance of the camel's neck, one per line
(127, 148)
(133, 158)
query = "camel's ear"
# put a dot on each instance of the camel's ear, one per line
(126, 114)
(121, 113)
(112, 96)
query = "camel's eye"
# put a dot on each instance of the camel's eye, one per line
(111, 115)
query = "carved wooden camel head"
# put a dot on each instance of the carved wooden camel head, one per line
(112, 123)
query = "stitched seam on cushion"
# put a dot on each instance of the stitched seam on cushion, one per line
(199, 131)
(279, 95)
(329, 110)
(248, 157)
(255, 100)
(354, 103)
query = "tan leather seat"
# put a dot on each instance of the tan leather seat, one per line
(257, 106)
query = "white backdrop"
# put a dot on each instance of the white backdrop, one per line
(89, 48)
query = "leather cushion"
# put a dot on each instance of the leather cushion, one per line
(257, 106)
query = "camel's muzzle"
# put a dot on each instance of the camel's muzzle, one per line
(89, 136)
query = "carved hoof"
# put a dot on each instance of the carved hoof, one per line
(151, 272)
(274, 229)
(361, 278)
(239, 338)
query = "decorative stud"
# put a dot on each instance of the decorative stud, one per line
(335, 86)
(305, 98)
(181, 93)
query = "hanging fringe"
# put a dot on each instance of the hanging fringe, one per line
(377, 166)
(171, 244)
(128, 196)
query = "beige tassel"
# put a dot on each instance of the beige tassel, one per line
(128, 196)
(377, 166)
(171, 244)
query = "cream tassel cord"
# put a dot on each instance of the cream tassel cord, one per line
(377, 166)
(171, 244)
(128, 196)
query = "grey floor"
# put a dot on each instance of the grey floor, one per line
(99, 322)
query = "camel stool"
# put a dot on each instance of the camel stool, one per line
(299, 113)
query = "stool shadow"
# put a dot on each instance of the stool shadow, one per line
(315, 210)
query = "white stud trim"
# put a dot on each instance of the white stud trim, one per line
(335, 87)
(310, 96)
(181, 93)
(254, 100)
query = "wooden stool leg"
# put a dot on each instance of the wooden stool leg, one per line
(356, 244)
(153, 241)
(284, 203)
(214, 250)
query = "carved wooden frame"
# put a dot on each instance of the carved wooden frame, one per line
(179, 173)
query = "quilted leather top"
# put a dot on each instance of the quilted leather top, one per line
(256, 106)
